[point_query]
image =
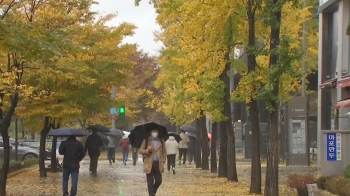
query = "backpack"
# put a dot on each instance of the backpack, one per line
(125, 144)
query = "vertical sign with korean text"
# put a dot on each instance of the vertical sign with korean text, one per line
(333, 147)
(338, 147)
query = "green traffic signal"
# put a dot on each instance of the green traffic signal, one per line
(122, 110)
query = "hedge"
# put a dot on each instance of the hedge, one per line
(336, 185)
(17, 165)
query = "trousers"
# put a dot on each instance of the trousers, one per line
(154, 179)
(171, 161)
(183, 151)
(74, 173)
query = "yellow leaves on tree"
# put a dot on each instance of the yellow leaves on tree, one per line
(290, 85)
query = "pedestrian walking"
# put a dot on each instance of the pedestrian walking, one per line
(134, 156)
(154, 152)
(112, 143)
(124, 143)
(171, 148)
(183, 146)
(93, 146)
(73, 152)
(191, 151)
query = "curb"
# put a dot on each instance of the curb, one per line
(12, 174)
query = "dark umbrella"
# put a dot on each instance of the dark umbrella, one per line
(189, 128)
(191, 135)
(104, 139)
(177, 136)
(99, 128)
(66, 132)
(141, 132)
(115, 133)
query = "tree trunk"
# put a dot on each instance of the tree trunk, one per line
(213, 161)
(53, 155)
(198, 157)
(204, 142)
(43, 133)
(271, 182)
(5, 122)
(255, 175)
(23, 134)
(255, 180)
(53, 152)
(223, 152)
(228, 128)
(6, 161)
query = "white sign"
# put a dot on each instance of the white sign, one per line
(338, 147)
(297, 137)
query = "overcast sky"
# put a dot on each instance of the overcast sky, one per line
(143, 16)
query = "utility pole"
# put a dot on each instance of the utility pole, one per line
(114, 95)
(304, 54)
(303, 63)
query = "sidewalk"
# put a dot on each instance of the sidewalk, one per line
(120, 180)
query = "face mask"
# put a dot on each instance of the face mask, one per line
(154, 134)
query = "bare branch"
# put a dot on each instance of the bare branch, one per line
(8, 8)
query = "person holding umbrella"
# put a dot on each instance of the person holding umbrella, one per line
(93, 146)
(183, 146)
(124, 143)
(154, 153)
(112, 143)
(73, 152)
(171, 147)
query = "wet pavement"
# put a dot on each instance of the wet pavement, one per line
(120, 180)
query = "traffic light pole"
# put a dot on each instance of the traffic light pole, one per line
(114, 95)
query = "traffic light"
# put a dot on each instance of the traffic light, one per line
(122, 111)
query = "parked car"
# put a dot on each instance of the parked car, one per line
(24, 151)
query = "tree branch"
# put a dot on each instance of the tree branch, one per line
(8, 8)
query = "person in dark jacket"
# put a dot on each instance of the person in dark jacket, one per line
(93, 146)
(191, 149)
(73, 152)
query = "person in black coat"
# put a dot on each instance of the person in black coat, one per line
(73, 152)
(93, 146)
(191, 152)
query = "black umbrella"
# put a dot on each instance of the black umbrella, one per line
(189, 128)
(104, 139)
(177, 136)
(99, 128)
(141, 132)
(115, 133)
(66, 132)
(191, 135)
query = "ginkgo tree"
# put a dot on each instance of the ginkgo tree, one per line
(201, 37)
(76, 83)
(23, 43)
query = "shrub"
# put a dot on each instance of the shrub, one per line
(299, 182)
(336, 185)
(322, 181)
(17, 165)
(347, 172)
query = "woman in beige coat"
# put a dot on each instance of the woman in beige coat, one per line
(154, 152)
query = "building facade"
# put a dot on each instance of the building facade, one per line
(333, 70)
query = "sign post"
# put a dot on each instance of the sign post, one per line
(298, 152)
